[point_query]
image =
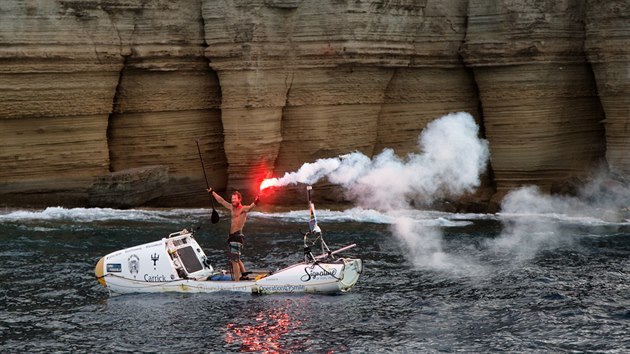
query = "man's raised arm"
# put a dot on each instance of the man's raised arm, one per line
(252, 205)
(219, 199)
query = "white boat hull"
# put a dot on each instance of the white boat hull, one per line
(177, 264)
(291, 280)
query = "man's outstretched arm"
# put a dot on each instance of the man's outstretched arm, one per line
(247, 208)
(219, 199)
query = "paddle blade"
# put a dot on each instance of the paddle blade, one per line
(215, 216)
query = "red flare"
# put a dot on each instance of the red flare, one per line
(268, 182)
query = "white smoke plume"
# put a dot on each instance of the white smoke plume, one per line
(422, 246)
(534, 221)
(450, 160)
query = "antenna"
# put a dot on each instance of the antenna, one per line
(308, 194)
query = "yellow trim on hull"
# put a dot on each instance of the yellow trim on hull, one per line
(99, 270)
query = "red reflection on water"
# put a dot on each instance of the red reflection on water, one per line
(266, 334)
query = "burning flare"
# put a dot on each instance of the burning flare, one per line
(269, 182)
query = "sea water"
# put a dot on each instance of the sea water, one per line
(432, 282)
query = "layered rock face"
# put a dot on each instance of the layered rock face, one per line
(167, 97)
(541, 111)
(607, 46)
(58, 75)
(305, 80)
(128, 188)
(67, 65)
(91, 88)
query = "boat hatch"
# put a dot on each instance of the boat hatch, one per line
(190, 260)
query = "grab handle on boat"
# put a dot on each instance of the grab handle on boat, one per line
(337, 251)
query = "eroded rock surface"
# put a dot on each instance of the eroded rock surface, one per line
(607, 46)
(541, 112)
(128, 188)
(93, 86)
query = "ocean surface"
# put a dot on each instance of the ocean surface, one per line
(432, 282)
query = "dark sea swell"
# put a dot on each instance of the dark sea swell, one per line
(477, 284)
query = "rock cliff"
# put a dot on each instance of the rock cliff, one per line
(607, 46)
(540, 107)
(94, 87)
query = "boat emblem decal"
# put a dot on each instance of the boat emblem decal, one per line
(134, 264)
(154, 258)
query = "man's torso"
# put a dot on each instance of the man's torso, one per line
(238, 219)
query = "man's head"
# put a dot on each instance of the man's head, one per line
(236, 198)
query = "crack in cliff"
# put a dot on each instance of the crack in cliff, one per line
(203, 30)
(600, 107)
(589, 65)
(125, 55)
(380, 113)
(591, 72)
(289, 24)
(206, 58)
(482, 125)
(115, 104)
(288, 82)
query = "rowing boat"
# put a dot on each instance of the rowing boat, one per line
(177, 263)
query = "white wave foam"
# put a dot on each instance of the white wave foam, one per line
(325, 215)
(429, 218)
(98, 214)
(423, 217)
(580, 220)
(85, 215)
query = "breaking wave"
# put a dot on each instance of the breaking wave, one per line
(96, 214)
(425, 217)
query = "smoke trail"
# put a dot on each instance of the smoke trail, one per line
(422, 246)
(534, 222)
(450, 161)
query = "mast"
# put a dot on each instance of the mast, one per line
(312, 219)
(314, 230)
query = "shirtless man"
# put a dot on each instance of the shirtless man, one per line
(236, 237)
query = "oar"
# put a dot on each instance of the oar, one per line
(215, 216)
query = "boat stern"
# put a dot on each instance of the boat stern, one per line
(353, 267)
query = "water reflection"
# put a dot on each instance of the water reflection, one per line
(269, 331)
